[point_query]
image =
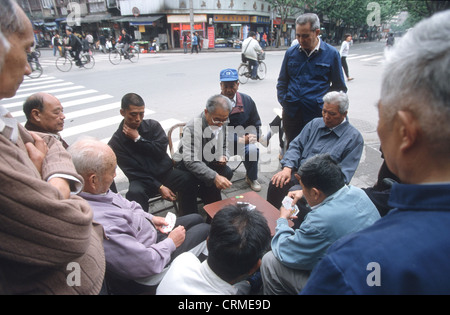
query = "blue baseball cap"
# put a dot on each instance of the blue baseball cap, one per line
(227, 75)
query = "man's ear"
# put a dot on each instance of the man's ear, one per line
(122, 112)
(408, 129)
(35, 114)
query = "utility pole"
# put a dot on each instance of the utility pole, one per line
(191, 15)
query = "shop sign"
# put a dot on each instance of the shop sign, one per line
(230, 18)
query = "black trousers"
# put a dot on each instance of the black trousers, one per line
(292, 126)
(181, 182)
(345, 66)
(196, 232)
(210, 194)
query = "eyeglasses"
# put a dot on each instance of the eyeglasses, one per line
(220, 121)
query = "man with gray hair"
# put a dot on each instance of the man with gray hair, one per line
(203, 148)
(309, 70)
(407, 250)
(331, 134)
(337, 210)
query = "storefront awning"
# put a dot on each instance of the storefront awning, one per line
(198, 18)
(93, 18)
(140, 20)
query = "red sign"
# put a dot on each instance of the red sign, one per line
(211, 37)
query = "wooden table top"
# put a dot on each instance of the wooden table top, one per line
(268, 210)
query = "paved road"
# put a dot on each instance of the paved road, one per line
(175, 87)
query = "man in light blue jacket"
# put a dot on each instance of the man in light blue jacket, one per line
(336, 210)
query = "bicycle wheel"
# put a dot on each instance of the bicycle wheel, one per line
(244, 73)
(262, 70)
(114, 57)
(87, 61)
(134, 55)
(63, 64)
(36, 70)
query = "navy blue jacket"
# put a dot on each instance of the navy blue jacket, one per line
(303, 80)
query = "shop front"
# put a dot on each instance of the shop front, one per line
(230, 30)
(181, 24)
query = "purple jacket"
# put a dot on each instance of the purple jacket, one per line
(131, 247)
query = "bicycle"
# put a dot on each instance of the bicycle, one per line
(245, 72)
(64, 63)
(36, 68)
(116, 55)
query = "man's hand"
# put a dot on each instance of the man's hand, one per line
(286, 214)
(249, 138)
(282, 178)
(167, 194)
(37, 151)
(130, 132)
(222, 182)
(178, 235)
(159, 223)
(296, 195)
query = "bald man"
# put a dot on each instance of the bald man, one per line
(45, 114)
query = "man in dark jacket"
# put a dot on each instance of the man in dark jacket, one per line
(141, 149)
(74, 45)
(243, 127)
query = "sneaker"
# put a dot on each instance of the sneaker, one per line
(254, 184)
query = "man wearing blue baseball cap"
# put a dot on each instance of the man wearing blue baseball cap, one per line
(243, 129)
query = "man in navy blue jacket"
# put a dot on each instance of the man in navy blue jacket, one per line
(408, 250)
(309, 70)
(243, 127)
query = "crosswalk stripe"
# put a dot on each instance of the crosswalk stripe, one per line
(28, 84)
(60, 97)
(93, 110)
(93, 125)
(48, 91)
(20, 113)
(50, 85)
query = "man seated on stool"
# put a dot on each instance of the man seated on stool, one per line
(135, 247)
(203, 149)
(331, 134)
(44, 113)
(141, 149)
(337, 210)
(237, 240)
(243, 127)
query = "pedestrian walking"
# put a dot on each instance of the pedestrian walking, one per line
(345, 47)
(194, 43)
(185, 42)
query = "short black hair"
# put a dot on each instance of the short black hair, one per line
(238, 238)
(131, 99)
(35, 101)
(323, 173)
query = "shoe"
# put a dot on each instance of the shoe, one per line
(264, 140)
(349, 79)
(254, 184)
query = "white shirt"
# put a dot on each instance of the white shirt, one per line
(345, 47)
(188, 276)
(251, 48)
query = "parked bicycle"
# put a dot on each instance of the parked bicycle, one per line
(245, 71)
(65, 62)
(36, 68)
(116, 55)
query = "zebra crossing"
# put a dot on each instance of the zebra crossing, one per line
(82, 107)
(368, 58)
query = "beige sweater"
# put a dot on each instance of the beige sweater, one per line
(40, 232)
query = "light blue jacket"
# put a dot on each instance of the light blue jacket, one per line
(346, 211)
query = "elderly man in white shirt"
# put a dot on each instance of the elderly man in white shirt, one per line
(250, 49)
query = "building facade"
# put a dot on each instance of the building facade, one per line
(220, 23)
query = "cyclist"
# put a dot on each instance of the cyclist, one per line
(125, 40)
(74, 45)
(250, 49)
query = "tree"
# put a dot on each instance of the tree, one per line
(285, 9)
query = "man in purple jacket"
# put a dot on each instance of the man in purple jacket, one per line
(136, 248)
